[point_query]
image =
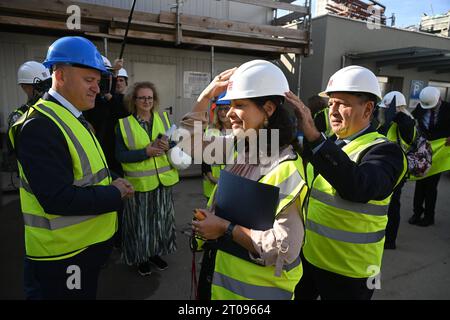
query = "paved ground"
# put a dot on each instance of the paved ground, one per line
(418, 269)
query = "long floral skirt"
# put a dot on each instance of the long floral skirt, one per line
(148, 225)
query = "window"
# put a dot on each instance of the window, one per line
(444, 88)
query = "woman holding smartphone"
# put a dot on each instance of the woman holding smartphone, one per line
(141, 146)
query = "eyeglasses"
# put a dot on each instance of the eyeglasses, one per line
(144, 98)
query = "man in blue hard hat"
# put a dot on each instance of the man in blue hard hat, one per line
(68, 197)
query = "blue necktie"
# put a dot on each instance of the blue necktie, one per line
(340, 143)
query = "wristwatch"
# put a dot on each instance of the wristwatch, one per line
(229, 232)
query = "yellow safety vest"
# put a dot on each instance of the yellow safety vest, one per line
(394, 135)
(324, 113)
(148, 174)
(208, 186)
(51, 236)
(237, 279)
(346, 237)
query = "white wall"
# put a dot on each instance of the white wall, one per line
(18, 48)
(335, 36)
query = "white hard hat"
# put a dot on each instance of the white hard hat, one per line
(256, 78)
(106, 62)
(429, 97)
(32, 72)
(353, 79)
(387, 99)
(179, 159)
(122, 73)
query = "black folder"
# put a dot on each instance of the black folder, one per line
(247, 203)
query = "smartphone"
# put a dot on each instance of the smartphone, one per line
(162, 136)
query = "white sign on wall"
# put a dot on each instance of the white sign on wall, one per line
(414, 92)
(194, 82)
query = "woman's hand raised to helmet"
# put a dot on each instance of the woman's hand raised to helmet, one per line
(304, 118)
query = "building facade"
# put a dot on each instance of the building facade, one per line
(403, 60)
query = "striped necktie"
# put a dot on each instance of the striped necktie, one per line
(84, 122)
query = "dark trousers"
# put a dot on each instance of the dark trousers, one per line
(118, 235)
(206, 274)
(394, 214)
(317, 282)
(426, 193)
(72, 278)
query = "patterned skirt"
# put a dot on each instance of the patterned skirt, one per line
(148, 225)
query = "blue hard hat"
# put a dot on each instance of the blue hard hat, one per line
(74, 50)
(222, 102)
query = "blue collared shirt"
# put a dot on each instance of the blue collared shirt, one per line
(347, 140)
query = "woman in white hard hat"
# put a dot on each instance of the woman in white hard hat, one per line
(351, 176)
(148, 217)
(433, 118)
(399, 128)
(257, 92)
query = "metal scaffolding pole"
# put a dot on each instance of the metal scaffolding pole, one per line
(212, 63)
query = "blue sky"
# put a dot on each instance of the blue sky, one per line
(407, 12)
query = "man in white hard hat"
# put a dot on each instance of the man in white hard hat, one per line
(397, 123)
(433, 117)
(34, 79)
(352, 175)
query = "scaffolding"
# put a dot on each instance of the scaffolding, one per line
(365, 10)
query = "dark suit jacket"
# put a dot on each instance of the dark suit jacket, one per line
(373, 178)
(442, 125)
(44, 155)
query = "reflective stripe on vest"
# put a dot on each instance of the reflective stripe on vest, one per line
(235, 278)
(146, 175)
(52, 236)
(32, 220)
(346, 237)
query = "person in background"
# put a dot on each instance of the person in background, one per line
(68, 197)
(400, 129)
(149, 217)
(121, 81)
(433, 118)
(221, 123)
(211, 174)
(109, 108)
